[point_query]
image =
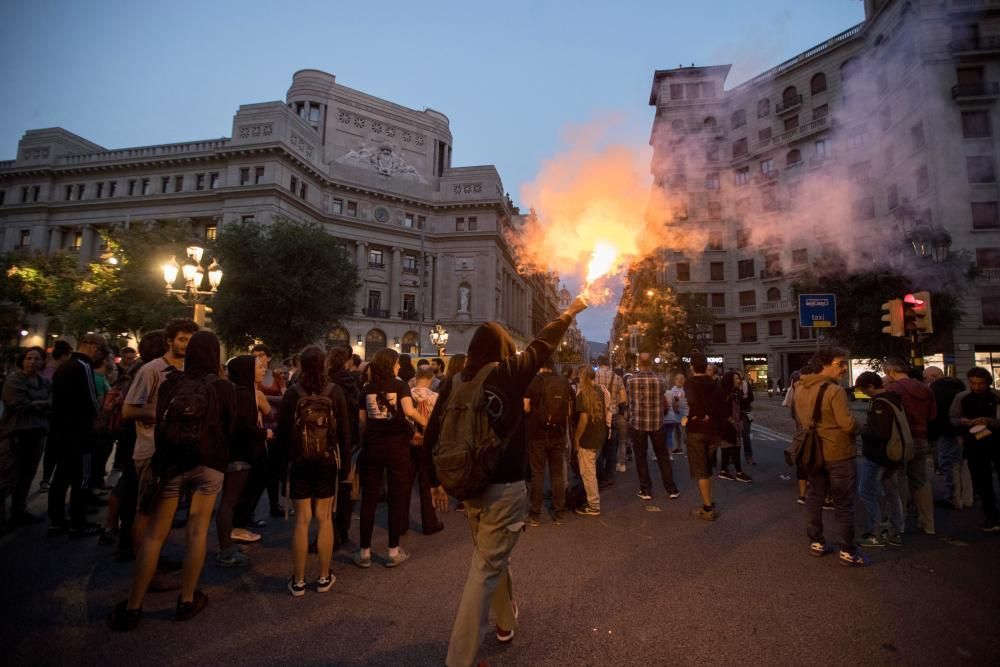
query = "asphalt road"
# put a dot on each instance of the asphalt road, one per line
(643, 584)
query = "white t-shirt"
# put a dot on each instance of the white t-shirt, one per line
(143, 392)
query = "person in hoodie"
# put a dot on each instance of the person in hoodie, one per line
(878, 477)
(339, 364)
(706, 418)
(921, 409)
(946, 440)
(202, 361)
(246, 445)
(977, 413)
(496, 516)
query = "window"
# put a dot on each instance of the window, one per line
(3, 196)
(178, 183)
(744, 269)
(99, 193)
(767, 167)
(714, 210)
(743, 205)
(25, 240)
(211, 232)
(791, 123)
(375, 259)
(986, 258)
(374, 301)
(258, 175)
(676, 91)
(923, 180)
(164, 185)
(708, 89)
(975, 124)
(712, 154)
(410, 263)
(822, 148)
(314, 110)
(769, 200)
(718, 333)
(772, 266)
(717, 271)
(858, 137)
(794, 157)
(980, 168)
(293, 184)
(861, 172)
(79, 190)
(714, 241)
(244, 175)
(818, 83)
(303, 189)
(763, 107)
(472, 223)
(892, 196)
(740, 148)
(821, 112)
(917, 135)
(248, 219)
(773, 295)
(748, 298)
(683, 272)
(131, 187)
(145, 186)
(789, 96)
(410, 303)
(709, 122)
(712, 181)
(692, 91)
(460, 224)
(421, 221)
(742, 238)
(985, 215)
(991, 310)
(743, 176)
(24, 194)
(718, 299)
(112, 188)
(739, 118)
(748, 332)
(337, 206)
(199, 181)
(774, 328)
(764, 134)
(864, 209)
(213, 180)
(69, 193)
(352, 208)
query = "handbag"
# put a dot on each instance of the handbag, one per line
(806, 450)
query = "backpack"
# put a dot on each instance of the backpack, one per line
(806, 450)
(556, 403)
(313, 426)
(467, 451)
(899, 447)
(187, 415)
(110, 422)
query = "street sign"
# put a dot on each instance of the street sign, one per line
(817, 310)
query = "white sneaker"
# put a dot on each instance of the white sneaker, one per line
(244, 535)
(620, 467)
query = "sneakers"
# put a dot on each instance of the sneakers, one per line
(828, 505)
(674, 495)
(892, 539)
(297, 588)
(847, 559)
(818, 549)
(990, 527)
(123, 619)
(705, 515)
(188, 610)
(231, 558)
(505, 636)
(676, 450)
(801, 500)
(620, 467)
(533, 520)
(558, 518)
(361, 560)
(743, 477)
(397, 560)
(587, 511)
(725, 474)
(645, 495)
(244, 535)
(870, 541)
(323, 584)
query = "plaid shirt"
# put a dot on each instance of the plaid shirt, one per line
(645, 396)
(614, 384)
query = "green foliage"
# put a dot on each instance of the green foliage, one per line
(285, 283)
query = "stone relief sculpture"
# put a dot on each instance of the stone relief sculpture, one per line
(382, 159)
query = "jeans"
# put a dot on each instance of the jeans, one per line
(607, 460)
(72, 472)
(675, 435)
(496, 519)
(548, 450)
(949, 449)
(874, 483)
(747, 439)
(838, 480)
(587, 459)
(620, 426)
(984, 462)
(920, 487)
(639, 442)
(21, 452)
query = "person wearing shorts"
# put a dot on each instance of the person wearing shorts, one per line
(706, 414)
(162, 482)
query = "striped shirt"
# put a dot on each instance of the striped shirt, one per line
(645, 396)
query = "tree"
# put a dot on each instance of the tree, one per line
(286, 283)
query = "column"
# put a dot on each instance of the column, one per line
(438, 288)
(429, 277)
(395, 275)
(87, 245)
(55, 239)
(38, 239)
(362, 262)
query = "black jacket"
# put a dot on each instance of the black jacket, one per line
(945, 390)
(504, 389)
(707, 412)
(74, 400)
(247, 443)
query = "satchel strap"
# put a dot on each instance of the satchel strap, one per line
(818, 408)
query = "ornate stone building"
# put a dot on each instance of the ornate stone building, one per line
(429, 239)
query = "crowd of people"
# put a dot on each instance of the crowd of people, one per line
(193, 438)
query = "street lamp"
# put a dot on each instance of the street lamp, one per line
(439, 338)
(194, 275)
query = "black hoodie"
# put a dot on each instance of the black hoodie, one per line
(945, 390)
(707, 412)
(878, 427)
(352, 394)
(504, 389)
(247, 442)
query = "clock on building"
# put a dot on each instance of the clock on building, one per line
(382, 214)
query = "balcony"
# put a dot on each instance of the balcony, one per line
(774, 274)
(778, 306)
(973, 5)
(795, 134)
(974, 45)
(766, 177)
(974, 92)
(990, 275)
(790, 104)
(411, 269)
(748, 310)
(718, 310)
(821, 160)
(409, 315)
(376, 312)
(376, 265)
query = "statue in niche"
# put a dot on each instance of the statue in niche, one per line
(464, 293)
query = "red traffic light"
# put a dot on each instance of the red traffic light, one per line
(913, 300)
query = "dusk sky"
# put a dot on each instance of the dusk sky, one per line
(510, 76)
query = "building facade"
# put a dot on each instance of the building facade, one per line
(893, 122)
(430, 240)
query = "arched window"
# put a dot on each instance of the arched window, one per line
(739, 118)
(773, 294)
(818, 83)
(794, 157)
(677, 125)
(409, 344)
(789, 95)
(763, 107)
(374, 341)
(337, 337)
(710, 123)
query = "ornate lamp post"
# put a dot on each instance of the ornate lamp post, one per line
(193, 274)
(439, 338)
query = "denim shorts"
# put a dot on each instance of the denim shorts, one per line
(202, 480)
(701, 454)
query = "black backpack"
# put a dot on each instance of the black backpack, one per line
(314, 428)
(806, 450)
(188, 418)
(556, 403)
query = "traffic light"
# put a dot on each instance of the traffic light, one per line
(918, 309)
(892, 314)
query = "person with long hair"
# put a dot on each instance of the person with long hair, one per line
(338, 368)
(455, 365)
(406, 370)
(313, 485)
(385, 434)
(589, 437)
(731, 430)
